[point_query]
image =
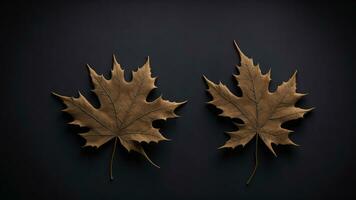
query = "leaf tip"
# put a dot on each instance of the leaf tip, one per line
(80, 94)
(295, 144)
(55, 94)
(89, 67)
(207, 81)
(223, 147)
(295, 74)
(182, 103)
(60, 96)
(148, 60)
(243, 57)
(310, 109)
(114, 59)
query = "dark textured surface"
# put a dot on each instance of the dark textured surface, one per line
(45, 47)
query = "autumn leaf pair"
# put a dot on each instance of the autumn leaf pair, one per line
(126, 116)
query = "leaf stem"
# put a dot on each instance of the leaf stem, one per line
(256, 162)
(112, 159)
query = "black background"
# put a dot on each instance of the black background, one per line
(45, 46)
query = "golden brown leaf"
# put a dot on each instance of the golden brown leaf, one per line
(262, 112)
(124, 113)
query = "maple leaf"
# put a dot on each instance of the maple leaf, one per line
(262, 112)
(123, 114)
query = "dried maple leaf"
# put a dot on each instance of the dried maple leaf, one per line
(124, 114)
(262, 112)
